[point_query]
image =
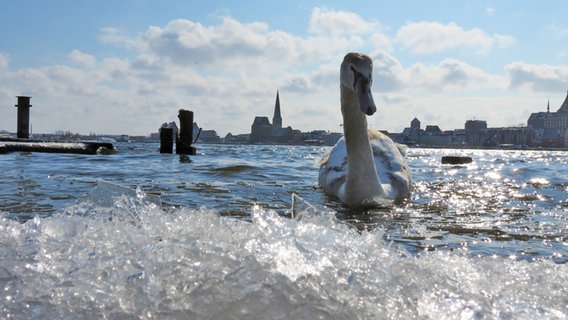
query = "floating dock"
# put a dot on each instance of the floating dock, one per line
(83, 147)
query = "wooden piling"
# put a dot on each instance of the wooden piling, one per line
(166, 140)
(185, 140)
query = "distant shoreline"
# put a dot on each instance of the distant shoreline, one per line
(490, 148)
(504, 148)
(268, 143)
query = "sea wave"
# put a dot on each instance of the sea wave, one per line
(133, 259)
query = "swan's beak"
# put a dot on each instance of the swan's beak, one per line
(366, 102)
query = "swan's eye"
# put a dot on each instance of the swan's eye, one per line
(366, 82)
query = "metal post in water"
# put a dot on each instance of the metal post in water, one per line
(183, 144)
(23, 117)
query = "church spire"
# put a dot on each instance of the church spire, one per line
(548, 106)
(277, 119)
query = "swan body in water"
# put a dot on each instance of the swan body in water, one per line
(365, 167)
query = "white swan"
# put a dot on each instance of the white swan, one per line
(365, 166)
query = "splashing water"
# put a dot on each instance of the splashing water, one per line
(135, 260)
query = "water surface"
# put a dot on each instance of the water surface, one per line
(485, 240)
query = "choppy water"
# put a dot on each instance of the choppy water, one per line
(486, 240)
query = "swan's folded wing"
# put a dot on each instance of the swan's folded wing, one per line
(333, 168)
(394, 173)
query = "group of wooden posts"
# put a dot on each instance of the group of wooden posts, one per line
(183, 140)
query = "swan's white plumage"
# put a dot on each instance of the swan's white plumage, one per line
(392, 169)
(362, 185)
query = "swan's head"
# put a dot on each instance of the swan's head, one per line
(357, 74)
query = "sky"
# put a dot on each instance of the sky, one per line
(126, 67)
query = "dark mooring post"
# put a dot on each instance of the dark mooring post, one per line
(185, 140)
(23, 117)
(166, 140)
(168, 134)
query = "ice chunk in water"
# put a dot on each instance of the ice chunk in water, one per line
(302, 207)
(105, 194)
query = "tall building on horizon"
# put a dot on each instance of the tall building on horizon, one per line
(550, 128)
(262, 130)
(277, 119)
(550, 120)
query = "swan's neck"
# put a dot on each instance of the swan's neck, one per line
(362, 180)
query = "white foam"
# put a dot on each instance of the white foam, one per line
(136, 260)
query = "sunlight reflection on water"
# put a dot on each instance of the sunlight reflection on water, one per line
(483, 240)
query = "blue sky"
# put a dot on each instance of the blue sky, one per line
(128, 66)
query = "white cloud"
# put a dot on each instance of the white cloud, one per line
(388, 73)
(83, 58)
(381, 41)
(230, 42)
(448, 75)
(537, 77)
(433, 37)
(111, 35)
(339, 23)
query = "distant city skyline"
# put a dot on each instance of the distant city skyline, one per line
(126, 67)
(545, 129)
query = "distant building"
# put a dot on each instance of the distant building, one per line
(550, 128)
(331, 138)
(238, 139)
(415, 124)
(475, 132)
(550, 120)
(475, 125)
(209, 136)
(508, 137)
(261, 130)
(410, 135)
(284, 135)
(431, 136)
(432, 130)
